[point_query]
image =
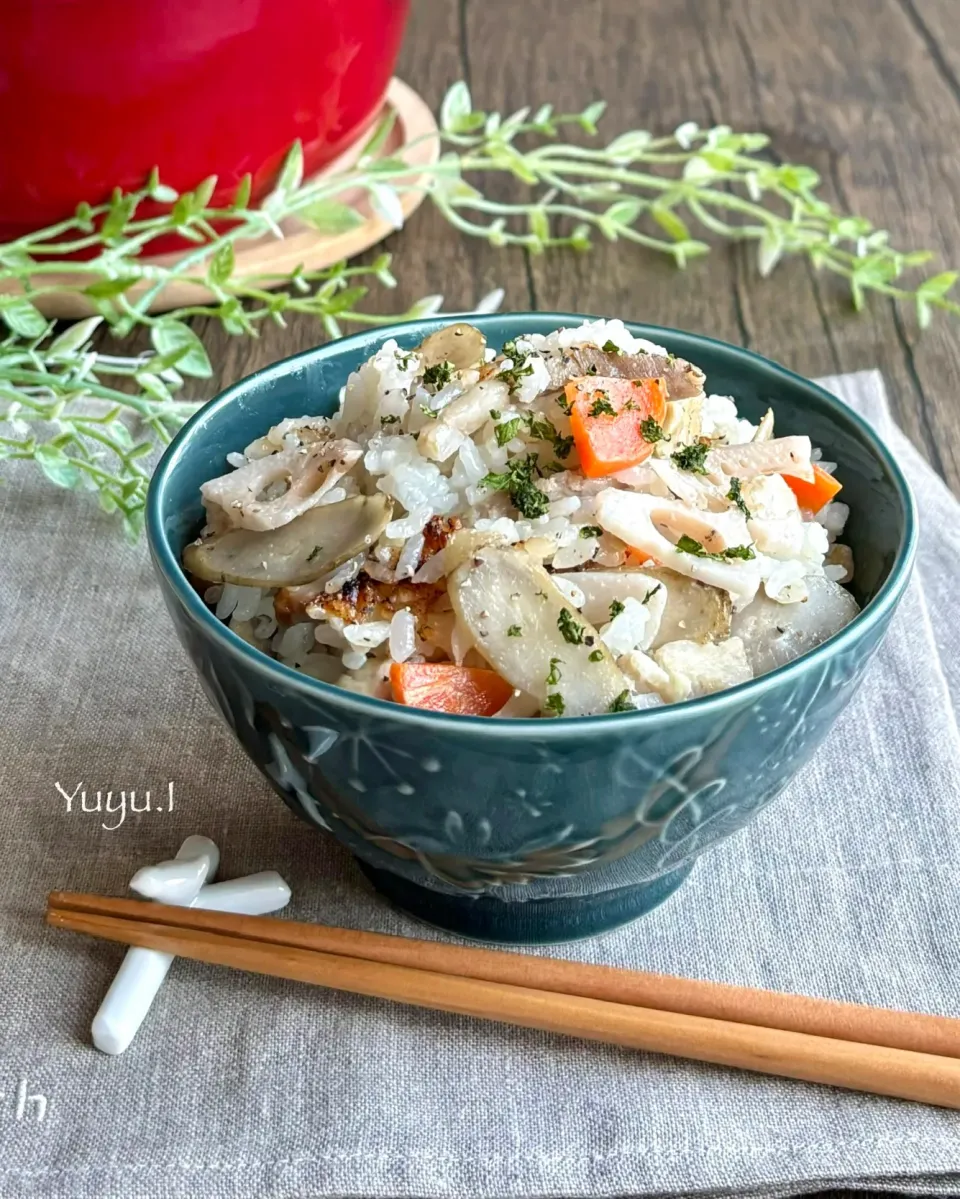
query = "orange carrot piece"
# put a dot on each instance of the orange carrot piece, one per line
(445, 687)
(606, 418)
(813, 495)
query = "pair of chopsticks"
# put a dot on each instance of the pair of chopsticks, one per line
(903, 1054)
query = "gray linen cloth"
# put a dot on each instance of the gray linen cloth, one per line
(245, 1086)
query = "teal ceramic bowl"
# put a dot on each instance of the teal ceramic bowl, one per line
(531, 830)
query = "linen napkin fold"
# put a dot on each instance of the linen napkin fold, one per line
(242, 1086)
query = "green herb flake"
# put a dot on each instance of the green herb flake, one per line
(554, 676)
(608, 347)
(591, 531)
(389, 420)
(553, 468)
(688, 545)
(317, 549)
(563, 403)
(495, 414)
(622, 703)
(562, 446)
(597, 655)
(542, 429)
(602, 407)
(429, 412)
(555, 704)
(650, 430)
(508, 430)
(615, 609)
(514, 631)
(439, 375)
(736, 497)
(692, 457)
(518, 481)
(651, 593)
(571, 631)
(519, 370)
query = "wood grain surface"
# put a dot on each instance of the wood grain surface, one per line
(867, 92)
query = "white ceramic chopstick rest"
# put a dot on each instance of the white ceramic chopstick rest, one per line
(181, 881)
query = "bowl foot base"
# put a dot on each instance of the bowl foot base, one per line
(536, 922)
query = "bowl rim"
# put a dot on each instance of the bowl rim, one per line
(167, 564)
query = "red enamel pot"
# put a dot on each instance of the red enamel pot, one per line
(94, 93)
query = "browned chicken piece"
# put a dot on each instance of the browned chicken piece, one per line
(367, 601)
(682, 378)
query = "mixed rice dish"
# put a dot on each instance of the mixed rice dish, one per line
(567, 526)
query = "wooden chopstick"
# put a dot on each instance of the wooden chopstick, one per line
(913, 1031)
(896, 1072)
(905, 1074)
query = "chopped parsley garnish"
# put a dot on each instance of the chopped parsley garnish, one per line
(692, 457)
(735, 495)
(517, 481)
(541, 428)
(317, 549)
(597, 655)
(608, 347)
(508, 430)
(651, 593)
(495, 414)
(571, 631)
(622, 703)
(428, 411)
(602, 406)
(554, 676)
(389, 420)
(563, 403)
(439, 374)
(562, 446)
(689, 546)
(650, 430)
(555, 704)
(404, 360)
(519, 369)
(591, 531)
(514, 631)
(615, 609)
(553, 468)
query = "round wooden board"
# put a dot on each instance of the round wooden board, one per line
(300, 245)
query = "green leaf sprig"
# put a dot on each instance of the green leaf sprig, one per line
(91, 420)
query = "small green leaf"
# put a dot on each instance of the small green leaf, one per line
(56, 466)
(155, 388)
(133, 525)
(629, 146)
(73, 337)
(669, 222)
(121, 210)
(938, 285)
(624, 212)
(20, 317)
(329, 216)
(386, 204)
(105, 289)
(203, 192)
(456, 107)
(241, 197)
(380, 134)
(698, 170)
(770, 249)
(221, 265)
(169, 335)
(591, 114)
(538, 223)
(291, 173)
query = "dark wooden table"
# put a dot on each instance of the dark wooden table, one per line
(867, 92)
